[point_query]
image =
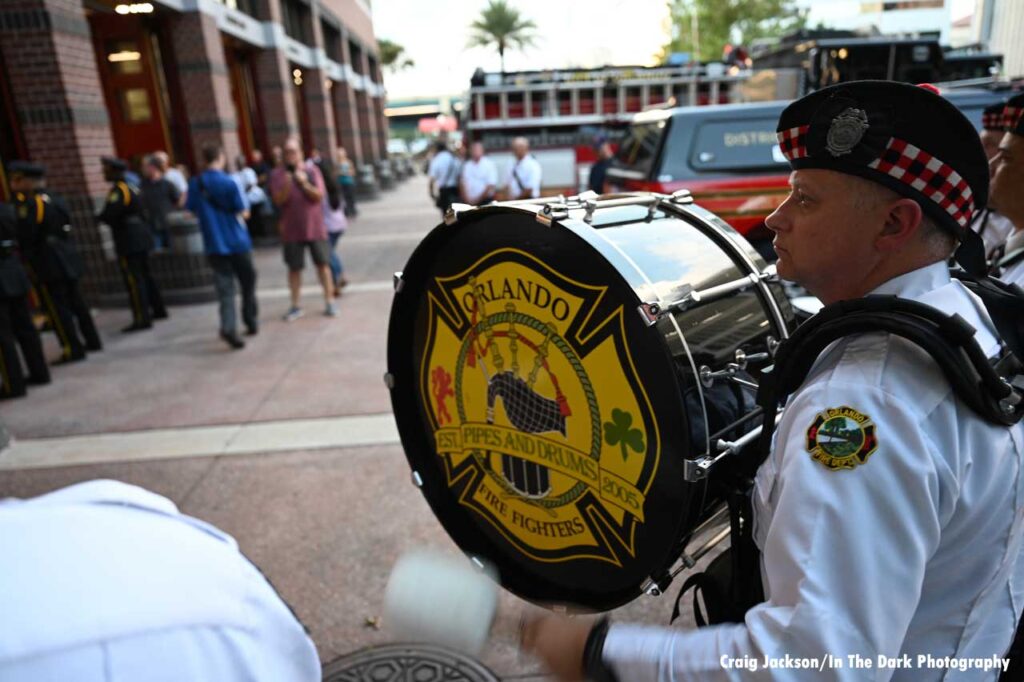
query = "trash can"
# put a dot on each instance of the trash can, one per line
(186, 237)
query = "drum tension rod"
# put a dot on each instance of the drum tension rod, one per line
(697, 469)
(708, 377)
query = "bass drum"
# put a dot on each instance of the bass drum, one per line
(563, 372)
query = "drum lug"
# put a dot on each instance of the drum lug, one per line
(389, 379)
(770, 274)
(397, 281)
(451, 216)
(681, 197)
(652, 209)
(417, 480)
(551, 212)
(590, 206)
(697, 469)
(649, 312)
(657, 584)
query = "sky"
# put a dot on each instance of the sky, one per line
(583, 33)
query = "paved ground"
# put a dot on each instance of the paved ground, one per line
(288, 445)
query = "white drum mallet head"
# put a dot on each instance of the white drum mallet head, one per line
(440, 599)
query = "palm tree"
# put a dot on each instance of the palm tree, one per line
(502, 26)
(393, 56)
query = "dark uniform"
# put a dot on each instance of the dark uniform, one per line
(133, 241)
(44, 235)
(15, 318)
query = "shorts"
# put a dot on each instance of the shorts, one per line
(294, 252)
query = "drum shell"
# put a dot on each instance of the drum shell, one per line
(664, 374)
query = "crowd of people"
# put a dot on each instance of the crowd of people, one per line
(473, 180)
(306, 203)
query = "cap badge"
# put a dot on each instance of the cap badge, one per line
(846, 131)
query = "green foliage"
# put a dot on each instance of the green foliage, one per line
(728, 21)
(502, 26)
(392, 56)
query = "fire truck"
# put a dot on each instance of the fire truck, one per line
(566, 113)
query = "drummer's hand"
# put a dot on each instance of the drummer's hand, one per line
(558, 642)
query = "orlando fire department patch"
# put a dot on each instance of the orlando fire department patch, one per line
(841, 438)
(542, 426)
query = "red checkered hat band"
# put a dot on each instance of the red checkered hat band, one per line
(1012, 117)
(928, 175)
(913, 167)
(993, 121)
(793, 142)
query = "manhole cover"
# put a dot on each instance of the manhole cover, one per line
(407, 663)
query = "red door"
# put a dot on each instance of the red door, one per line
(124, 53)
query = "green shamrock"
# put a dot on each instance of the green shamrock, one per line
(618, 432)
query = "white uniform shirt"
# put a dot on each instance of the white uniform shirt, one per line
(997, 229)
(524, 175)
(177, 179)
(477, 176)
(444, 168)
(1014, 274)
(916, 551)
(104, 581)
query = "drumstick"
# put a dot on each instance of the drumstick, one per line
(440, 599)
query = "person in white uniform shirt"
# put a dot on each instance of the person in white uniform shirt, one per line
(444, 177)
(524, 177)
(104, 581)
(911, 545)
(1008, 190)
(479, 177)
(993, 227)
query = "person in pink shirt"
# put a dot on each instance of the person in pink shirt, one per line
(297, 189)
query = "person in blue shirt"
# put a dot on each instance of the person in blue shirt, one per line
(216, 200)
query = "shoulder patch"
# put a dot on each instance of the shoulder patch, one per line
(841, 438)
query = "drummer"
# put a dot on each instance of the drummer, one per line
(913, 546)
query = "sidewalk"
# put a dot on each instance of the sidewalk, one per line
(288, 445)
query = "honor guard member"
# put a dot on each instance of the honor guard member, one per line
(1008, 190)
(108, 582)
(44, 235)
(15, 318)
(993, 227)
(133, 240)
(889, 515)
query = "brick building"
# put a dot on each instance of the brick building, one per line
(80, 79)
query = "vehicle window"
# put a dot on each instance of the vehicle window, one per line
(640, 146)
(736, 145)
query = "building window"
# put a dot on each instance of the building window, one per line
(246, 6)
(296, 20)
(332, 42)
(135, 106)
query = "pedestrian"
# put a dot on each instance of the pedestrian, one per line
(216, 200)
(444, 177)
(45, 241)
(1008, 189)
(109, 582)
(260, 167)
(524, 177)
(903, 541)
(297, 189)
(15, 317)
(123, 212)
(335, 220)
(255, 197)
(174, 174)
(993, 228)
(159, 198)
(347, 180)
(599, 171)
(479, 177)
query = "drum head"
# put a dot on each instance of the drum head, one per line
(516, 353)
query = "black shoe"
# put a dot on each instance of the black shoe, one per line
(136, 328)
(94, 348)
(36, 380)
(161, 316)
(252, 331)
(68, 360)
(4, 395)
(232, 340)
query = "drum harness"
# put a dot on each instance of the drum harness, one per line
(994, 389)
